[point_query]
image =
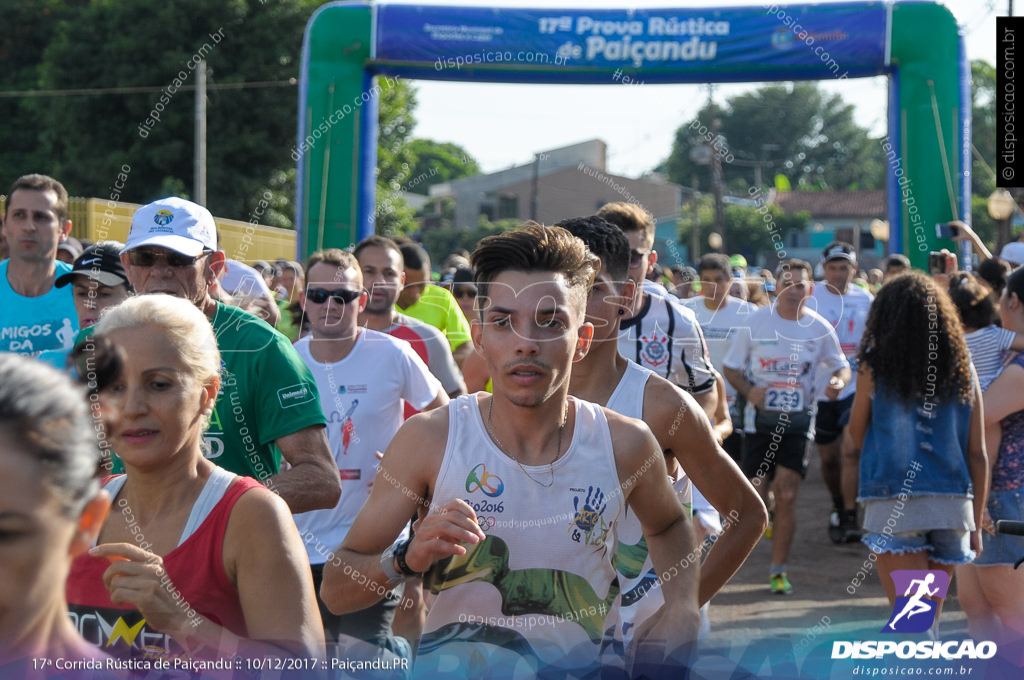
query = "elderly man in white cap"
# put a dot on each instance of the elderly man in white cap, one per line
(268, 407)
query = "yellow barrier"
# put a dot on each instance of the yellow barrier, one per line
(100, 220)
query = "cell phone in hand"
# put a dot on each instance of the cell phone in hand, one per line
(946, 230)
(937, 262)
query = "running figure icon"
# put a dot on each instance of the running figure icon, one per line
(914, 604)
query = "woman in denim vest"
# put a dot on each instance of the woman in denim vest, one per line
(918, 418)
(991, 591)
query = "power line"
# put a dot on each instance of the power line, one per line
(144, 89)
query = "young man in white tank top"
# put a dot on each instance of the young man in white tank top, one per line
(685, 436)
(520, 493)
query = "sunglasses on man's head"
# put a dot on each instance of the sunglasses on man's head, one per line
(145, 257)
(342, 295)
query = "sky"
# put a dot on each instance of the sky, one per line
(502, 125)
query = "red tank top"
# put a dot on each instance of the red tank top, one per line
(196, 570)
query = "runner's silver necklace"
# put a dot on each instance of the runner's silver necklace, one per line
(558, 449)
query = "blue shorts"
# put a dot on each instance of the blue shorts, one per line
(945, 546)
(1003, 548)
(832, 417)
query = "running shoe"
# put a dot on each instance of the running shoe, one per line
(836, 530)
(851, 534)
(780, 584)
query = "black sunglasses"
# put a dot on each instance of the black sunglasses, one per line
(343, 295)
(143, 257)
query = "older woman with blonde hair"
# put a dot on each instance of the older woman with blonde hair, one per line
(193, 561)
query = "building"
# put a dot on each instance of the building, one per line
(835, 216)
(565, 182)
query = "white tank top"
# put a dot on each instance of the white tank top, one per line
(536, 593)
(639, 598)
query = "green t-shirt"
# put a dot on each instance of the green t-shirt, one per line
(286, 325)
(437, 307)
(266, 392)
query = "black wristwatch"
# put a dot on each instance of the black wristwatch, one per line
(403, 566)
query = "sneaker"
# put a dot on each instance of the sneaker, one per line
(836, 530)
(780, 584)
(851, 534)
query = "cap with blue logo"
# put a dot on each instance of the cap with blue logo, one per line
(174, 223)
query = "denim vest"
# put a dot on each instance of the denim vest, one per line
(919, 449)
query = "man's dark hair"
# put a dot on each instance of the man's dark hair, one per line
(376, 241)
(897, 260)
(714, 262)
(536, 248)
(414, 256)
(604, 240)
(37, 182)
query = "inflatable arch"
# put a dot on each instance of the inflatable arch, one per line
(352, 50)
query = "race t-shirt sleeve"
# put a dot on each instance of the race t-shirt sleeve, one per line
(440, 360)
(288, 398)
(832, 356)
(456, 326)
(419, 386)
(738, 353)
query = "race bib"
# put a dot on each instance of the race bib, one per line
(783, 398)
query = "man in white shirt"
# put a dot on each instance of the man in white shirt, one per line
(661, 335)
(721, 317)
(845, 306)
(773, 368)
(363, 377)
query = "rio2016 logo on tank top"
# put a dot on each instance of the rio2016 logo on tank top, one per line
(479, 479)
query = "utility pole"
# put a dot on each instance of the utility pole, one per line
(199, 147)
(716, 187)
(695, 230)
(534, 189)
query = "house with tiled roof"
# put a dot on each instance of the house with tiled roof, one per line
(834, 216)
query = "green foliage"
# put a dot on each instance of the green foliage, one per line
(983, 127)
(438, 162)
(983, 225)
(746, 229)
(442, 241)
(395, 124)
(793, 129)
(393, 216)
(85, 140)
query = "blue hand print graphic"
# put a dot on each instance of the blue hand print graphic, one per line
(588, 518)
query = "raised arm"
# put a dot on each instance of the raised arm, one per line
(355, 578)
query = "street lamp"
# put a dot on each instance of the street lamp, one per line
(1001, 207)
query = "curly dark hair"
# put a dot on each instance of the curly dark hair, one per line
(603, 239)
(913, 343)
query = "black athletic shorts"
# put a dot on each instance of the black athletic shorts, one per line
(833, 416)
(762, 452)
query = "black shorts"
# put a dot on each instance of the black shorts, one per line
(733, 445)
(833, 416)
(763, 451)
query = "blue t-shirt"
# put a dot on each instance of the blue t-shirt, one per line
(29, 325)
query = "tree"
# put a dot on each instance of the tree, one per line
(438, 162)
(250, 132)
(983, 127)
(442, 241)
(748, 230)
(794, 129)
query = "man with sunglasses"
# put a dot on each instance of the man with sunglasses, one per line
(268, 407)
(383, 277)
(365, 376)
(661, 334)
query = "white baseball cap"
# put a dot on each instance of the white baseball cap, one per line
(174, 223)
(1013, 252)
